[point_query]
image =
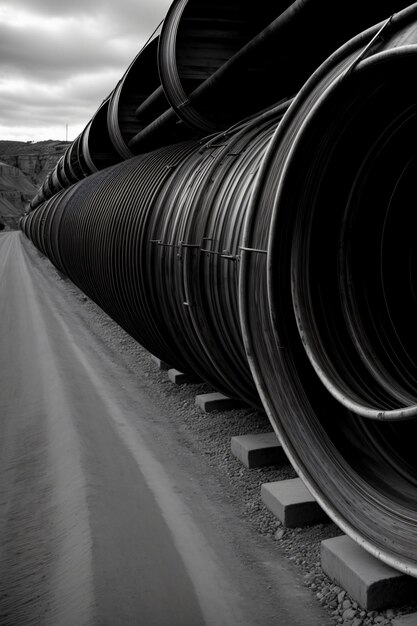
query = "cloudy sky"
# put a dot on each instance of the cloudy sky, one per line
(60, 58)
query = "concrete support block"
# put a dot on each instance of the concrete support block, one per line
(292, 503)
(179, 378)
(258, 450)
(405, 620)
(217, 402)
(161, 364)
(366, 579)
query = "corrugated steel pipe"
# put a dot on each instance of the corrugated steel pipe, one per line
(99, 228)
(354, 298)
(66, 172)
(96, 150)
(215, 62)
(215, 70)
(46, 189)
(322, 237)
(137, 99)
(60, 172)
(70, 160)
(36, 200)
(155, 241)
(90, 152)
(326, 314)
(197, 229)
(197, 39)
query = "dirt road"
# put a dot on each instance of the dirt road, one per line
(104, 519)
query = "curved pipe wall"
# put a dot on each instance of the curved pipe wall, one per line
(219, 63)
(330, 192)
(96, 150)
(168, 222)
(137, 99)
(207, 68)
(275, 261)
(197, 39)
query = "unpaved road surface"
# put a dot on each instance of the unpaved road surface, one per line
(104, 517)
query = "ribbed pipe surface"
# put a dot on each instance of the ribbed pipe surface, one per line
(276, 261)
(332, 190)
(136, 87)
(209, 66)
(96, 150)
(197, 39)
(155, 241)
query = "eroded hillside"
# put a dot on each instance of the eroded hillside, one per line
(23, 168)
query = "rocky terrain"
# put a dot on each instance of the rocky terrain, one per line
(23, 168)
(16, 190)
(34, 159)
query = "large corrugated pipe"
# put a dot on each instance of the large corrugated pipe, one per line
(137, 99)
(219, 63)
(60, 173)
(96, 150)
(197, 230)
(69, 169)
(316, 215)
(156, 240)
(90, 152)
(69, 156)
(327, 313)
(197, 39)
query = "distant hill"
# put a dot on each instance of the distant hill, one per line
(16, 190)
(23, 168)
(33, 159)
(26, 147)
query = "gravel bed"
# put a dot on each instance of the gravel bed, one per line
(210, 435)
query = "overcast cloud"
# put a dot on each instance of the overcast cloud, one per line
(59, 59)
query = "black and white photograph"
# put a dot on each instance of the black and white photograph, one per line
(208, 299)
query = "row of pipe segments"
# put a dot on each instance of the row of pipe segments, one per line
(241, 204)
